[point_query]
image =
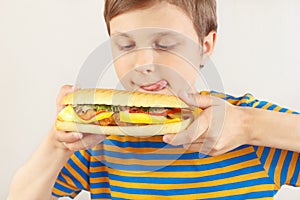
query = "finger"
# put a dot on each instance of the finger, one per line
(68, 137)
(198, 100)
(88, 141)
(194, 131)
(193, 147)
(200, 148)
(64, 90)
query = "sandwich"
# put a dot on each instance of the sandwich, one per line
(119, 112)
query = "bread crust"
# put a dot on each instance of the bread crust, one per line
(144, 130)
(122, 98)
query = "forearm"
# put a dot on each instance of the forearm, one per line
(36, 178)
(273, 129)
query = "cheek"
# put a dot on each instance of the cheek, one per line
(182, 68)
(123, 65)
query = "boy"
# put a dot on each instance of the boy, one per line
(149, 168)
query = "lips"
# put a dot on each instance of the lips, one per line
(160, 85)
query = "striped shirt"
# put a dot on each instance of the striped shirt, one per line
(123, 167)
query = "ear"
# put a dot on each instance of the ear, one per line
(209, 42)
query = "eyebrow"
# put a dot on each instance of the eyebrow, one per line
(120, 34)
(159, 34)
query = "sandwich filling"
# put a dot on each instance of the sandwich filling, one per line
(108, 115)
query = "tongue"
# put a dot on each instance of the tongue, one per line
(156, 86)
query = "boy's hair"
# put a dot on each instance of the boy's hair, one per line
(201, 12)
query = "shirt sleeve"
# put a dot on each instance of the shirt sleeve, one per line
(74, 176)
(281, 165)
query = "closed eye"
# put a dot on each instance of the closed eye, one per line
(126, 47)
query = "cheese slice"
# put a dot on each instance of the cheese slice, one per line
(141, 118)
(69, 115)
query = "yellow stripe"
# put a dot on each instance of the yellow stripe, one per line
(146, 150)
(99, 180)
(269, 159)
(133, 161)
(267, 106)
(100, 190)
(277, 108)
(292, 168)
(80, 164)
(77, 176)
(235, 179)
(279, 167)
(210, 172)
(298, 180)
(259, 151)
(173, 151)
(257, 188)
(256, 104)
(289, 111)
(62, 193)
(234, 101)
(98, 169)
(68, 180)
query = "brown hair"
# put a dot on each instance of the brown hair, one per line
(201, 12)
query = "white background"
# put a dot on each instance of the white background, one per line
(44, 43)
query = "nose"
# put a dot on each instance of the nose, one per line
(144, 61)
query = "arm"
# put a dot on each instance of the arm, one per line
(273, 129)
(222, 127)
(36, 178)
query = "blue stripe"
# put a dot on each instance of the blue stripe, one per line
(101, 196)
(188, 156)
(261, 104)
(117, 198)
(285, 168)
(186, 191)
(179, 168)
(272, 107)
(82, 159)
(274, 163)
(283, 110)
(69, 174)
(96, 163)
(79, 171)
(250, 104)
(251, 195)
(265, 154)
(150, 156)
(100, 185)
(61, 178)
(63, 188)
(202, 167)
(243, 104)
(296, 175)
(143, 144)
(98, 174)
(167, 180)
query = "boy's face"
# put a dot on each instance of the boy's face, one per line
(156, 50)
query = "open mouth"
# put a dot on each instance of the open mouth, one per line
(154, 87)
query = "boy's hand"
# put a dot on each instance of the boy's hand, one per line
(219, 128)
(72, 141)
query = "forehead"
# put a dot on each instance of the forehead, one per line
(160, 16)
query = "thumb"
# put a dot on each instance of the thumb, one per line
(197, 100)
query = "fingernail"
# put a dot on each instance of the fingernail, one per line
(166, 138)
(75, 87)
(78, 135)
(183, 94)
